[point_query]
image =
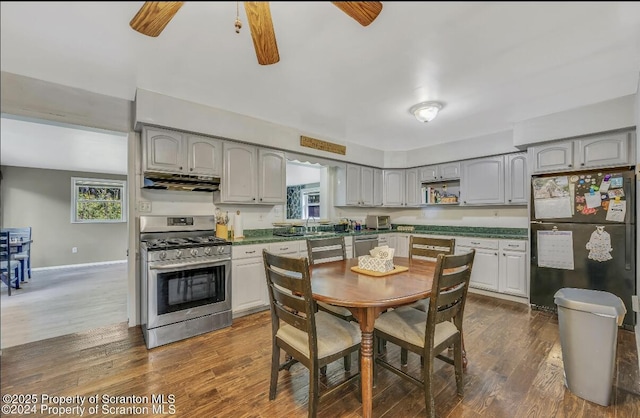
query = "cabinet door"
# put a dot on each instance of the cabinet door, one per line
(392, 242)
(272, 177)
(516, 179)
(204, 156)
(402, 245)
(485, 270)
(377, 187)
(366, 186)
(483, 181)
(601, 151)
(428, 173)
(552, 157)
(393, 194)
(513, 278)
(449, 171)
(248, 287)
(164, 150)
(239, 182)
(353, 185)
(412, 192)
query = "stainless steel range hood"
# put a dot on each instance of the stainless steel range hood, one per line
(169, 181)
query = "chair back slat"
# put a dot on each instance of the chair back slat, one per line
(430, 247)
(326, 249)
(449, 291)
(291, 301)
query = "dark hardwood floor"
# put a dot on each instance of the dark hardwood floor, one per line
(515, 370)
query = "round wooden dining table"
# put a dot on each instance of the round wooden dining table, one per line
(367, 297)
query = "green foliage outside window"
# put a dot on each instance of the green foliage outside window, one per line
(98, 200)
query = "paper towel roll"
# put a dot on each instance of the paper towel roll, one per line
(237, 226)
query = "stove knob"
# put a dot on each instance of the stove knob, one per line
(178, 253)
(220, 249)
(207, 250)
(194, 252)
(163, 255)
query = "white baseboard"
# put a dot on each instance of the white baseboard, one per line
(499, 295)
(102, 263)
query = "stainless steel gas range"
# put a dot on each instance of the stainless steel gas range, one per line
(185, 275)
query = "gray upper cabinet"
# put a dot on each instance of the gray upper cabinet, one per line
(432, 173)
(378, 186)
(239, 180)
(204, 156)
(603, 151)
(163, 150)
(252, 175)
(174, 152)
(412, 188)
(482, 181)
(272, 178)
(394, 185)
(606, 150)
(552, 157)
(355, 186)
(516, 179)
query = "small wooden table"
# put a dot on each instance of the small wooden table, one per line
(367, 297)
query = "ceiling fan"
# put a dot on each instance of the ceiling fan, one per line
(154, 16)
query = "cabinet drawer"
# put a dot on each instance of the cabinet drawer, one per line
(513, 245)
(490, 244)
(247, 251)
(286, 247)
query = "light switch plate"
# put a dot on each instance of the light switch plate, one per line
(634, 303)
(144, 206)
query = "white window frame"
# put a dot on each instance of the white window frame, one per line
(83, 181)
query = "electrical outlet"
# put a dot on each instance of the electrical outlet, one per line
(144, 206)
(74, 250)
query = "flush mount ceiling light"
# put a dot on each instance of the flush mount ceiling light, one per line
(426, 111)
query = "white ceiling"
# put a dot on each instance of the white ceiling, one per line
(492, 64)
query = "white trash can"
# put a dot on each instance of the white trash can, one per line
(588, 321)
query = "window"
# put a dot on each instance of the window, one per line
(98, 200)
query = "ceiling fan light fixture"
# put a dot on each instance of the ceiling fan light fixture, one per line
(426, 111)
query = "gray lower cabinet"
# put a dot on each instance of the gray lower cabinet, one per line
(248, 283)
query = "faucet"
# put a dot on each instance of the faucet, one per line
(306, 224)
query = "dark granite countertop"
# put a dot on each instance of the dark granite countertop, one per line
(265, 236)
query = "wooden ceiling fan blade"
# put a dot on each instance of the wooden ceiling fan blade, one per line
(364, 12)
(262, 33)
(153, 16)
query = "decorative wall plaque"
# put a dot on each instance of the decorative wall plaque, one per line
(309, 142)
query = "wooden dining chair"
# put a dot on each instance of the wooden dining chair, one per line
(324, 250)
(429, 333)
(313, 338)
(428, 248)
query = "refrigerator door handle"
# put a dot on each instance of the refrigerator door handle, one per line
(628, 232)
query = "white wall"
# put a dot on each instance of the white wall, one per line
(599, 117)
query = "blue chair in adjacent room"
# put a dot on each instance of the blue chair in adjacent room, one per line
(22, 251)
(9, 268)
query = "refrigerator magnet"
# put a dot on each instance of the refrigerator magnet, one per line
(615, 193)
(616, 211)
(604, 185)
(616, 182)
(599, 245)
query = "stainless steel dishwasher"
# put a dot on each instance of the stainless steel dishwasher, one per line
(363, 243)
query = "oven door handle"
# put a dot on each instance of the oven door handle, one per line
(189, 265)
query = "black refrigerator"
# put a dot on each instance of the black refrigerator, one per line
(583, 235)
